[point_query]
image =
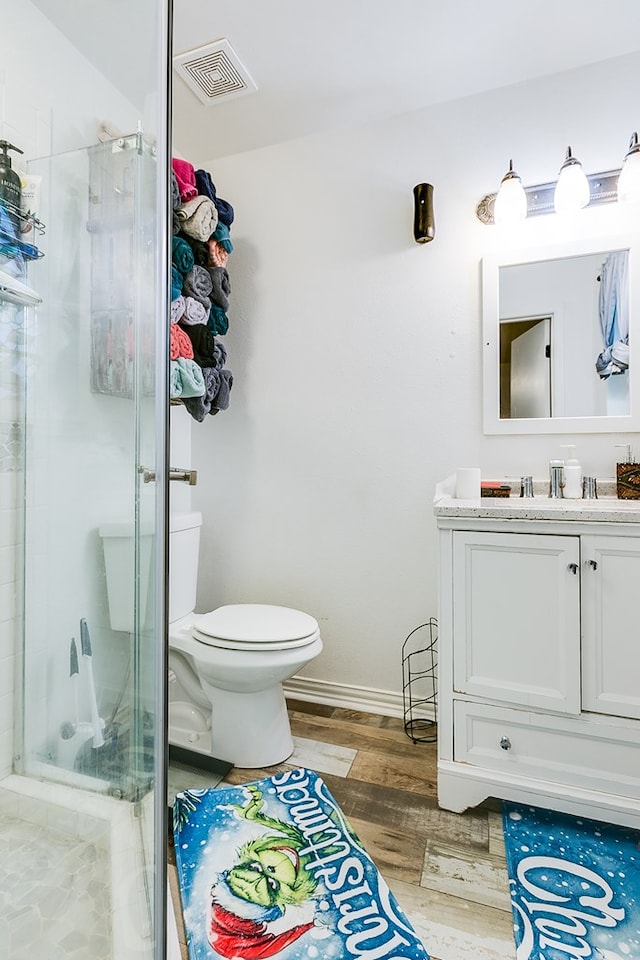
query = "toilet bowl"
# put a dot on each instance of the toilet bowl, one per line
(240, 654)
(226, 667)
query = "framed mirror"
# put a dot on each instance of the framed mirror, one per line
(558, 329)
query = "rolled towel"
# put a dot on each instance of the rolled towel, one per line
(176, 199)
(205, 184)
(217, 255)
(203, 343)
(225, 211)
(221, 234)
(186, 379)
(221, 399)
(176, 283)
(198, 284)
(218, 321)
(186, 177)
(200, 251)
(175, 224)
(181, 255)
(221, 286)
(179, 343)
(198, 218)
(194, 312)
(177, 308)
(220, 354)
(199, 407)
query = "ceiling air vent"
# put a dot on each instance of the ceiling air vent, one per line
(214, 72)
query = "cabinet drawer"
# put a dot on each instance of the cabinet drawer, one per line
(558, 749)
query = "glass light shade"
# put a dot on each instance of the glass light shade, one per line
(629, 179)
(572, 189)
(510, 205)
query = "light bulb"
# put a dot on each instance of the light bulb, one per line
(629, 179)
(510, 204)
(572, 189)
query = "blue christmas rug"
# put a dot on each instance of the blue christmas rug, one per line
(273, 869)
(575, 886)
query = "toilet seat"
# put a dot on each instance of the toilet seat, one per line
(255, 626)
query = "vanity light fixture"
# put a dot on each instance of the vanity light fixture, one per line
(602, 188)
(511, 201)
(572, 189)
(629, 179)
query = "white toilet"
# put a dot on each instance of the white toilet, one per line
(226, 668)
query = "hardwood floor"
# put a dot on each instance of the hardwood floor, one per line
(447, 870)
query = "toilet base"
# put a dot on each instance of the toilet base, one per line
(250, 730)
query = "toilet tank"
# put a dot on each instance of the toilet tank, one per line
(184, 550)
(119, 559)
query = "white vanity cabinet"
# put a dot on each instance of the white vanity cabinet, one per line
(539, 656)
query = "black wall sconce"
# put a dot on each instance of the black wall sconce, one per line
(424, 224)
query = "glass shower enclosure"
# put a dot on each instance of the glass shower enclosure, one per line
(83, 548)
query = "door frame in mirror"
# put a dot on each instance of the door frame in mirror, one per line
(493, 424)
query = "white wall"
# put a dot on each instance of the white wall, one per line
(357, 354)
(52, 100)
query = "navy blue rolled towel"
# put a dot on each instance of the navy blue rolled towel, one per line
(205, 185)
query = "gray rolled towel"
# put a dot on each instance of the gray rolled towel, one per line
(176, 199)
(177, 308)
(221, 286)
(219, 354)
(199, 407)
(221, 399)
(197, 284)
(198, 217)
(194, 311)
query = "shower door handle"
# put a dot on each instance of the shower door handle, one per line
(187, 476)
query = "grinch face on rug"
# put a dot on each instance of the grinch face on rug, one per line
(269, 874)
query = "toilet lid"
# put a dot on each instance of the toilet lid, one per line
(256, 626)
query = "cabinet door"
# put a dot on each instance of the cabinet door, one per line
(516, 610)
(611, 625)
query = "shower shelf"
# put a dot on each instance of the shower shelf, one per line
(11, 246)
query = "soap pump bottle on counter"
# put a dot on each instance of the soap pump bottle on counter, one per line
(10, 185)
(572, 474)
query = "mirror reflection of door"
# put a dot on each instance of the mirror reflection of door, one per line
(525, 367)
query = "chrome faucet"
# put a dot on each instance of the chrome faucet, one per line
(556, 479)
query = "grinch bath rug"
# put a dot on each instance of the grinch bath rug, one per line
(273, 869)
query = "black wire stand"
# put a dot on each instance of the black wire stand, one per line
(420, 682)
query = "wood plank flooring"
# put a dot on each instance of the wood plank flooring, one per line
(447, 870)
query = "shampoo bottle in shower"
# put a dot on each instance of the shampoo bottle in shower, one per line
(10, 187)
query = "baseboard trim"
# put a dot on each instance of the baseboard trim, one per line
(386, 703)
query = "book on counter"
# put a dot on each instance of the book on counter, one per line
(494, 488)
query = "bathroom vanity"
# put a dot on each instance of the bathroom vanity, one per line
(539, 654)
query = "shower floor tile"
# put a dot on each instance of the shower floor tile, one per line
(54, 894)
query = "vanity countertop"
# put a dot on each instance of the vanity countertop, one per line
(606, 509)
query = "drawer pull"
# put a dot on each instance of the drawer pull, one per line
(593, 564)
(505, 743)
(572, 567)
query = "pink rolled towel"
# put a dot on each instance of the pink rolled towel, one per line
(179, 343)
(218, 256)
(186, 177)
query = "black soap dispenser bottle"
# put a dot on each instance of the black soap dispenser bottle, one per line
(10, 186)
